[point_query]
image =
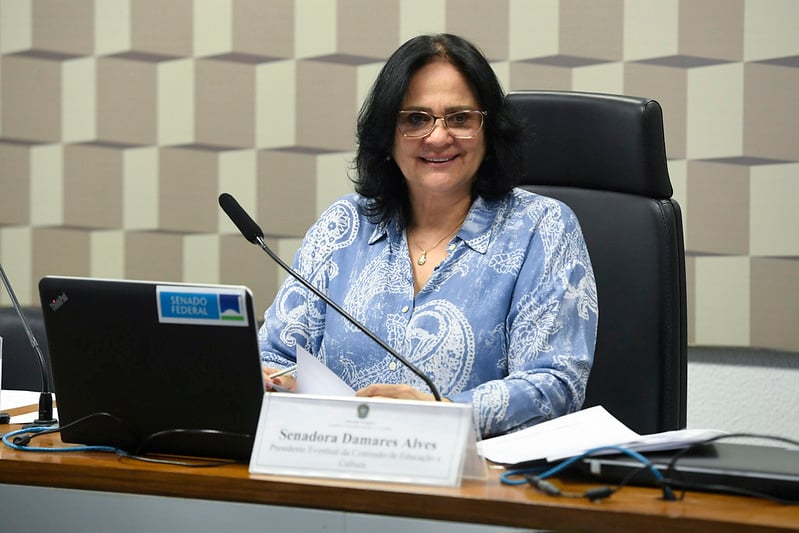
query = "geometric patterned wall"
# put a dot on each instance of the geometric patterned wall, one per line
(122, 120)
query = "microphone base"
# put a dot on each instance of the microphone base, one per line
(45, 410)
(45, 413)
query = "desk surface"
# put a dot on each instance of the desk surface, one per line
(483, 502)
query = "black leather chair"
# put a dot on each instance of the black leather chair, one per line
(604, 156)
(21, 369)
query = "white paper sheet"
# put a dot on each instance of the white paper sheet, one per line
(569, 434)
(668, 440)
(313, 377)
(576, 433)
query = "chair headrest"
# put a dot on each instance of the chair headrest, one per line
(591, 140)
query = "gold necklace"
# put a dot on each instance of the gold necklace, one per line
(423, 258)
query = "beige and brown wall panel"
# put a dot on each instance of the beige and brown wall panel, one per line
(122, 120)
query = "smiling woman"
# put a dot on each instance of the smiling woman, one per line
(488, 289)
(438, 167)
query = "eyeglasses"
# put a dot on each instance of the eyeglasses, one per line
(460, 124)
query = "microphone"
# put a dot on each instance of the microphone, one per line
(253, 233)
(46, 397)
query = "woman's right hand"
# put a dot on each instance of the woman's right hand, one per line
(286, 381)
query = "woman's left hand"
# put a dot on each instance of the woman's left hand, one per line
(400, 392)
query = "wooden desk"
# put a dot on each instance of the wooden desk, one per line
(476, 502)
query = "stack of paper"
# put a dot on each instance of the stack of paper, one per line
(576, 433)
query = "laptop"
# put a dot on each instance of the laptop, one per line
(154, 367)
(736, 468)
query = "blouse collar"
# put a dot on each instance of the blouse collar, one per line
(475, 232)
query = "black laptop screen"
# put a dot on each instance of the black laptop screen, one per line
(171, 366)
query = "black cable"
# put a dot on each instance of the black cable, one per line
(170, 460)
(667, 481)
(549, 488)
(22, 439)
(536, 478)
(142, 455)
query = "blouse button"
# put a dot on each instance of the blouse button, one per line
(451, 246)
(392, 365)
(405, 308)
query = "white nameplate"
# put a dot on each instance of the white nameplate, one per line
(356, 438)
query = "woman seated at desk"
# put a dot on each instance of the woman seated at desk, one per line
(488, 289)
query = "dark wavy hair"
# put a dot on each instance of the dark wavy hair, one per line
(378, 177)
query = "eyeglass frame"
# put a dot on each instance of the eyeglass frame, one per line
(443, 119)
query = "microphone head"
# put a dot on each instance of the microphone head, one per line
(240, 218)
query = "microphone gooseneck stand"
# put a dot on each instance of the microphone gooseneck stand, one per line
(45, 417)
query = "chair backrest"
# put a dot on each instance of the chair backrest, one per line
(604, 156)
(21, 370)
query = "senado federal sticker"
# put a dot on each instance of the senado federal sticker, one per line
(201, 305)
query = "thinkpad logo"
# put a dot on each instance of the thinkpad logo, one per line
(57, 302)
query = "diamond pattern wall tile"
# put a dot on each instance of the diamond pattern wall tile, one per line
(121, 121)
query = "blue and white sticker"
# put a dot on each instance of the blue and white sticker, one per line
(201, 305)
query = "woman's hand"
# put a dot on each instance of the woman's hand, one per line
(400, 392)
(286, 381)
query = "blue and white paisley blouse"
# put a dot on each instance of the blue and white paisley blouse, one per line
(507, 321)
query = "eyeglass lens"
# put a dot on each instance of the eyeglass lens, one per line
(463, 124)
